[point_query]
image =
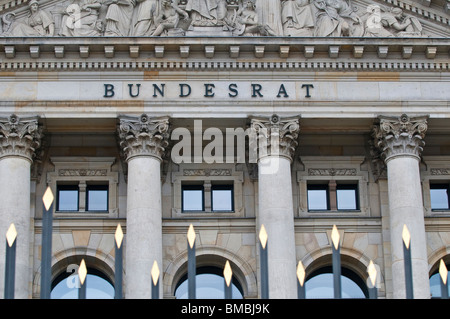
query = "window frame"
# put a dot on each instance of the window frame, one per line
(84, 172)
(333, 170)
(95, 187)
(209, 176)
(440, 185)
(348, 186)
(435, 170)
(315, 187)
(67, 187)
(229, 187)
(331, 189)
(191, 187)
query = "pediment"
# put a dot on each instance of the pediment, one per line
(230, 18)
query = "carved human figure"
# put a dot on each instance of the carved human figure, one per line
(37, 23)
(297, 18)
(168, 17)
(206, 12)
(336, 18)
(118, 17)
(7, 22)
(269, 13)
(143, 21)
(246, 22)
(81, 19)
(395, 19)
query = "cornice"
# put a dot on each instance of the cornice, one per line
(59, 53)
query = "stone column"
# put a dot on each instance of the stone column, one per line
(143, 141)
(277, 140)
(400, 141)
(19, 138)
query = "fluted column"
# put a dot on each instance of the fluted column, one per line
(19, 138)
(143, 141)
(400, 141)
(276, 142)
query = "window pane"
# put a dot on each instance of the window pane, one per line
(317, 199)
(96, 288)
(435, 285)
(192, 199)
(209, 284)
(222, 199)
(97, 199)
(346, 199)
(321, 286)
(439, 198)
(67, 199)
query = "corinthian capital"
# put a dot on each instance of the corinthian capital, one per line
(274, 136)
(143, 136)
(400, 136)
(19, 137)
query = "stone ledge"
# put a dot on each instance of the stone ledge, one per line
(259, 48)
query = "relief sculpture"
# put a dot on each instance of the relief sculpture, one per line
(143, 18)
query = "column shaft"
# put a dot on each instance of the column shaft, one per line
(400, 142)
(143, 141)
(277, 216)
(19, 139)
(15, 208)
(277, 140)
(406, 207)
(144, 225)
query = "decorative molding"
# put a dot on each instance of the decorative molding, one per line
(332, 172)
(207, 172)
(20, 137)
(439, 171)
(82, 172)
(318, 65)
(400, 136)
(274, 136)
(143, 136)
(280, 53)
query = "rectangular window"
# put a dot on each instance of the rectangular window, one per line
(67, 198)
(97, 198)
(222, 198)
(347, 197)
(439, 196)
(192, 198)
(333, 196)
(318, 197)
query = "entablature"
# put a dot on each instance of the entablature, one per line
(225, 53)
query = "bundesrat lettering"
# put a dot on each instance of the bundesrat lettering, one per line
(185, 90)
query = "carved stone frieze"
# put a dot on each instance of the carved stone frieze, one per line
(274, 137)
(440, 171)
(20, 137)
(207, 172)
(143, 18)
(143, 136)
(400, 136)
(82, 172)
(332, 172)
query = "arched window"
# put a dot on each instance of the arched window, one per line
(209, 284)
(319, 284)
(98, 286)
(435, 282)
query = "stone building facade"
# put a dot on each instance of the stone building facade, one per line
(270, 101)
